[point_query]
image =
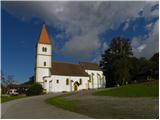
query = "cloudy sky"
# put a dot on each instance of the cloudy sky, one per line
(80, 31)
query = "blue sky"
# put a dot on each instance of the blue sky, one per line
(80, 31)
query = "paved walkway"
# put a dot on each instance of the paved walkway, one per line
(35, 107)
(106, 107)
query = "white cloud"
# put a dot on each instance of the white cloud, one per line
(149, 26)
(82, 46)
(126, 25)
(83, 21)
(97, 59)
(140, 48)
(148, 47)
(147, 13)
(136, 42)
(105, 46)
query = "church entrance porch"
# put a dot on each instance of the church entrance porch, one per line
(75, 86)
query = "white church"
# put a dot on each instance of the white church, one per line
(61, 76)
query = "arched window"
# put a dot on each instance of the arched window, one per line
(80, 81)
(67, 81)
(90, 77)
(44, 63)
(45, 49)
(98, 80)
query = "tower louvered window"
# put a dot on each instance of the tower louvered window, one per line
(45, 49)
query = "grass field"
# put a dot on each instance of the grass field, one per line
(9, 98)
(132, 101)
(147, 89)
(62, 102)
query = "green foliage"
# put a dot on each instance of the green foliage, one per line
(9, 98)
(3, 89)
(115, 62)
(121, 47)
(60, 101)
(35, 89)
(139, 70)
(143, 69)
(154, 66)
(120, 67)
(6, 81)
(132, 90)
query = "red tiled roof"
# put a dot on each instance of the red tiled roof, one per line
(67, 69)
(89, 66)
(43, 37)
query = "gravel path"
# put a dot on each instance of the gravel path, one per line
(87, 105)
(35, 107)
(115, 107)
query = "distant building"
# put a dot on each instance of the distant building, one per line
(60, 76)
(15, 89)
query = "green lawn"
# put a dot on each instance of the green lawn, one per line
(127, 105)
(60, 101)
(148, 89)
(9, 98)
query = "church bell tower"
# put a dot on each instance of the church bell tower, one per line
(43, 56)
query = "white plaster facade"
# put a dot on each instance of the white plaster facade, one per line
(51, 84)
(43, 57)
(97, 79)
(58, 83)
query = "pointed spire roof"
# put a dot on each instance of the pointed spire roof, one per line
(43, 37)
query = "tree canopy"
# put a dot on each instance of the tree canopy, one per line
(120, 67)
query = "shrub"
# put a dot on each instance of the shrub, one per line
(35, 89)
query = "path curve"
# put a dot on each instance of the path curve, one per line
(35, 107)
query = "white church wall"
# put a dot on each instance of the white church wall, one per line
(62, 86)
(52, 86)
(98, 81)
(46, 84)
(41, 59)
(40, 73)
